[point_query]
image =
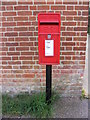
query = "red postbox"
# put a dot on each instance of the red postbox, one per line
(49, 38)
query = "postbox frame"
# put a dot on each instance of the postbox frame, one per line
(59, 25)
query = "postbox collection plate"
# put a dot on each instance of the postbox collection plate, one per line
(49, 38)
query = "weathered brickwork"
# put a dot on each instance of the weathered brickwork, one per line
(19, 40)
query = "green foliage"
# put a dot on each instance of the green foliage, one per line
(25, 104)
(89, 30)
(83, 94)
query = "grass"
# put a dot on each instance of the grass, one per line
(83, 94)
(25, 104)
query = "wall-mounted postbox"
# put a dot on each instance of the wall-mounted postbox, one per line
(49, 38)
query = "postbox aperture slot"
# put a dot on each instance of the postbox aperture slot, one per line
(49, 23)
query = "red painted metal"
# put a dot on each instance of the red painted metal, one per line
(49, 24)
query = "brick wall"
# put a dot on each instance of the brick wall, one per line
(19, 40)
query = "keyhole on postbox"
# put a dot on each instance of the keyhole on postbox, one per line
(49, 36)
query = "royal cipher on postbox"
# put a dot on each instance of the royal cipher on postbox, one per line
(49, 38)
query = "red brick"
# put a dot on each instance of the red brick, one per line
(43, 7)
(21, 39)
(35, 23)
(25, 34)
(21, 18)
(28, 62)
(69, 48)
(85, 13)
(2, 8)
(9, 13)
(9, 29)
(36, 67)
(32, 7)
(68, 53)
(14, 58)
(27, 53)
(81, 7)
(79, 12)
(9, 7)
(68, 43)
(11, 34)
(37, 12)
(33, 48)
(70, 28)
(63, 18)
(39, 2)
(6, 67)
(13, 53)
(25, 13)
(63, 38)
(6, 24)
(82, 53)
(69, 18)
(23, 23)
(57, 7)
(3, 19)
(79, 48)
(11, 39)
(50, 1)
(30, 75)
(81, 18)
(26, 44)
(22, 48)
(81, 62)
(31, 28)
(6, 58)
(82, 44)
(26, 67)
(67, 57)
(20, 29)
(70, 2)
(68, 62)
(20, 7)
(9, 19)
(4, 62)
(25, 2)
(11, 44)
(32, 38)
(8, 3)
(80, 38)
(11, 48)
(79, 58)
(62, 28)
(86, 2)
(84, 33)
(69, 13)
(80, 29)
(68, 34)
(35, 33)
(61, 57)
(4, 49)
(26, 58)
(70, 7)
(69, 23)
(58, 2)
(32, 18)
(2, 29)
(36, 58)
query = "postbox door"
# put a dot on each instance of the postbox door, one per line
(51, 56)
(49, 38)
